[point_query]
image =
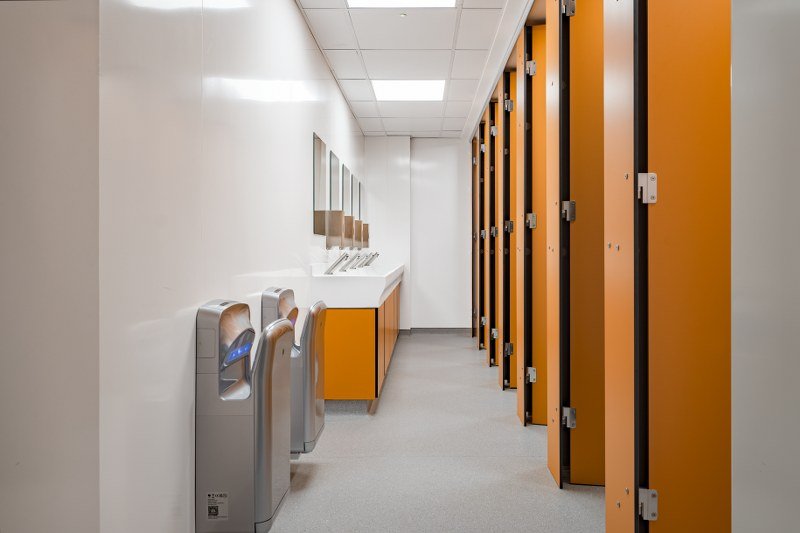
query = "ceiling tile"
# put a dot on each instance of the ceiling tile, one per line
(411, 109)
(477, 28)
(312, 4)
(346, 64)
(365, 109)
(468, 4)
(454, 123)
(357, 90)
(468, 64)
(332, 28)
(412, 124)
(457, 109)
(371, 124)
(431, 28)
(407, 64)
(461, 89)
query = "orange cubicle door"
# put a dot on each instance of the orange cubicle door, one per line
(481, 245)
(497, 234)
(475, 235)
(668, 268)
(487, 146)
(575, 306)
(511, 227)
(521, 164)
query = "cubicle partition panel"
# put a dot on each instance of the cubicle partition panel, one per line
(497, 235)
(482, 315)
(522, 159)
(503, 229)
(475, 236)
(488, 221)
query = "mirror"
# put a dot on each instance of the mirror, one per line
(335, 184)
(321, 195)
(347, 191)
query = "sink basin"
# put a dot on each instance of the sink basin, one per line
(364, 287)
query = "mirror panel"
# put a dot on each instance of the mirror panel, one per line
(335, 189)
(321, 194)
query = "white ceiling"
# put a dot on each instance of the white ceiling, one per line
(452, 44)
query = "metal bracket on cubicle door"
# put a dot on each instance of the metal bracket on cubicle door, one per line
(568, 7)
(508, 105)
(493, 131)
(530, 67)
(483, 321)
(483, 147)
(647, 187)
(648, 504)
(568, 417)
(508, 226)
(495, 333)
(483, 234)
(530, 220)
(493, 231)
(568, 210)
(530, 375)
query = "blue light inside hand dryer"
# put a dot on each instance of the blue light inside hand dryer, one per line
(238, 353)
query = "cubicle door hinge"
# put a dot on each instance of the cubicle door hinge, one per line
(508, 226)
(483, 234)
(474, 161)
(493, 131)
(483, 147)
(568, 7)
(495, 333)
(530, 67)
(493, 231)
(530, 220)
(483, 321)
(530, 375)
(568, 417)
(648, 504)
(508, 105)
(648, 187)
(508, 349)
(568, 210)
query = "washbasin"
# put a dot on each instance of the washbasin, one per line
(365, 287)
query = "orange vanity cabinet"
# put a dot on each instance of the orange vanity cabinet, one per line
(358, 349)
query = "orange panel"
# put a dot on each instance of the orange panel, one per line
(553, 216)
(350, 354)
(586, 244)
(517, 270)
(618, 271)
(511, 215)
(382, 346)
(487, 257)
(475, 241)
(498, 223)
(689, 129)
(539, 190)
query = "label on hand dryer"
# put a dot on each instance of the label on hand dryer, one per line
(217, 505)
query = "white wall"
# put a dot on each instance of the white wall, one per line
(206, 122)
(441, 183)
(765, 264)
(388, 170)
(48, 270)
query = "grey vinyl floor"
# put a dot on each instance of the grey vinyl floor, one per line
(444, 451)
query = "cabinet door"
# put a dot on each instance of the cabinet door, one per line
(380, 347)
(350, 356)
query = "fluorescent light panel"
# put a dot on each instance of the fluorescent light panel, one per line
(401, 3)
(409, 90)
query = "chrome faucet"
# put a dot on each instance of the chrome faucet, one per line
(336, 263)
(350, 263)
(373, 257)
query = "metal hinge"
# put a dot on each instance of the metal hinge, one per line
(648, 504)
(508, 349)
(508, 226)
(474, 161)
(648, 187)
(493, 231)
(568, 417)
(530, 220)
(530, 375)
(483, 147)
(483, 234)
(508, 105)
(493, 131)
(568, 7)
(495, 333)
(483, 321)
(530, 67)
(568, 210)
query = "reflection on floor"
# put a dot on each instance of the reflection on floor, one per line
(443, 452)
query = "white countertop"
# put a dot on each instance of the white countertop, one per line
(365, 287)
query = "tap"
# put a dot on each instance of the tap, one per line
(336, 263)
(350, 263)
(373, 257)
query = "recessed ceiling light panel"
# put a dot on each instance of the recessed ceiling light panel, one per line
(409, 90)
(401, 3)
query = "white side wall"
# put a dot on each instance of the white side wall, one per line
(388, 171)
(48, 266)
(440, 233)
(765, 265)
(206, 123)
